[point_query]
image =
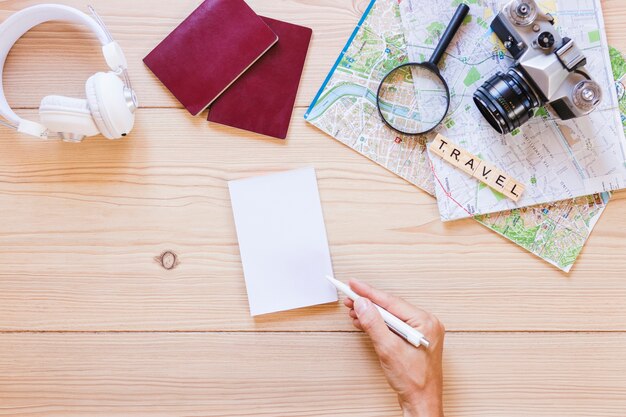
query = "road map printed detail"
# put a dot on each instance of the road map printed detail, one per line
(345, 107)
(556, 160)
(555, 232)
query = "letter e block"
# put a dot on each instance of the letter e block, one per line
(498, 180)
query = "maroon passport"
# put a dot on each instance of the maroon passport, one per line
(209, 50)
(262, 99)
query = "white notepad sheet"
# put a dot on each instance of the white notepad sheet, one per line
(282, 241)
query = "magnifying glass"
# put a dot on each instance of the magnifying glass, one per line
(413, 98)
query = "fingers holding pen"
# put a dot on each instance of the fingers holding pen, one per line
(349, 303)
(395, 305)
(415, 317)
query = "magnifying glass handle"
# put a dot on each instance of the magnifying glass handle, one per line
(453, 27)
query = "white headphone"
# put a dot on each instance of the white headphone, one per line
(111, 102)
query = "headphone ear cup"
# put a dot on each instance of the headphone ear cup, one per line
(67, 115)
(108, 106)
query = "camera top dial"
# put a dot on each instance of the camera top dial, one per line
(587, 95)
(523, 12)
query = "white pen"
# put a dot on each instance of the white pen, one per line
(399, 327)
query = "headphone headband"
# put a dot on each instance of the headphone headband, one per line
(21, 22)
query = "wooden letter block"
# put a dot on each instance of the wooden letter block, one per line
(453, 156)
(470, 163)
(485, 172)
(514, 190)
(496, 179)
(439, 146)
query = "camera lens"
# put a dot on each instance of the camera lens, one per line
(506, 101)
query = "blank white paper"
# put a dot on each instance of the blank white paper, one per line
(282, 240)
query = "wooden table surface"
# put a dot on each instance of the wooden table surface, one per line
(91, 323)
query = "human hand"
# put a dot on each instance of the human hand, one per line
(416, 374)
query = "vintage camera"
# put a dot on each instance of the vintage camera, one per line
(548, 69)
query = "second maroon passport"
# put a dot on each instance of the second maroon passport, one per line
(262, 99)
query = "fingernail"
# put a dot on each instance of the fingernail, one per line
(361, 305)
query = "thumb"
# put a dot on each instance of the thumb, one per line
(371, 321)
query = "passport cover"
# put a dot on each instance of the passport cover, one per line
(262, 100)
(209, 50)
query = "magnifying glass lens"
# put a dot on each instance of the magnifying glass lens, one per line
(413, 99)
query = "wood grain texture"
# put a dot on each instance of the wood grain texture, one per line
(84, 228)
(78, 246)
(287, 374)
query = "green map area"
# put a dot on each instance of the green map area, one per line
(556, 232)
(618, 63)
(472, 76)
